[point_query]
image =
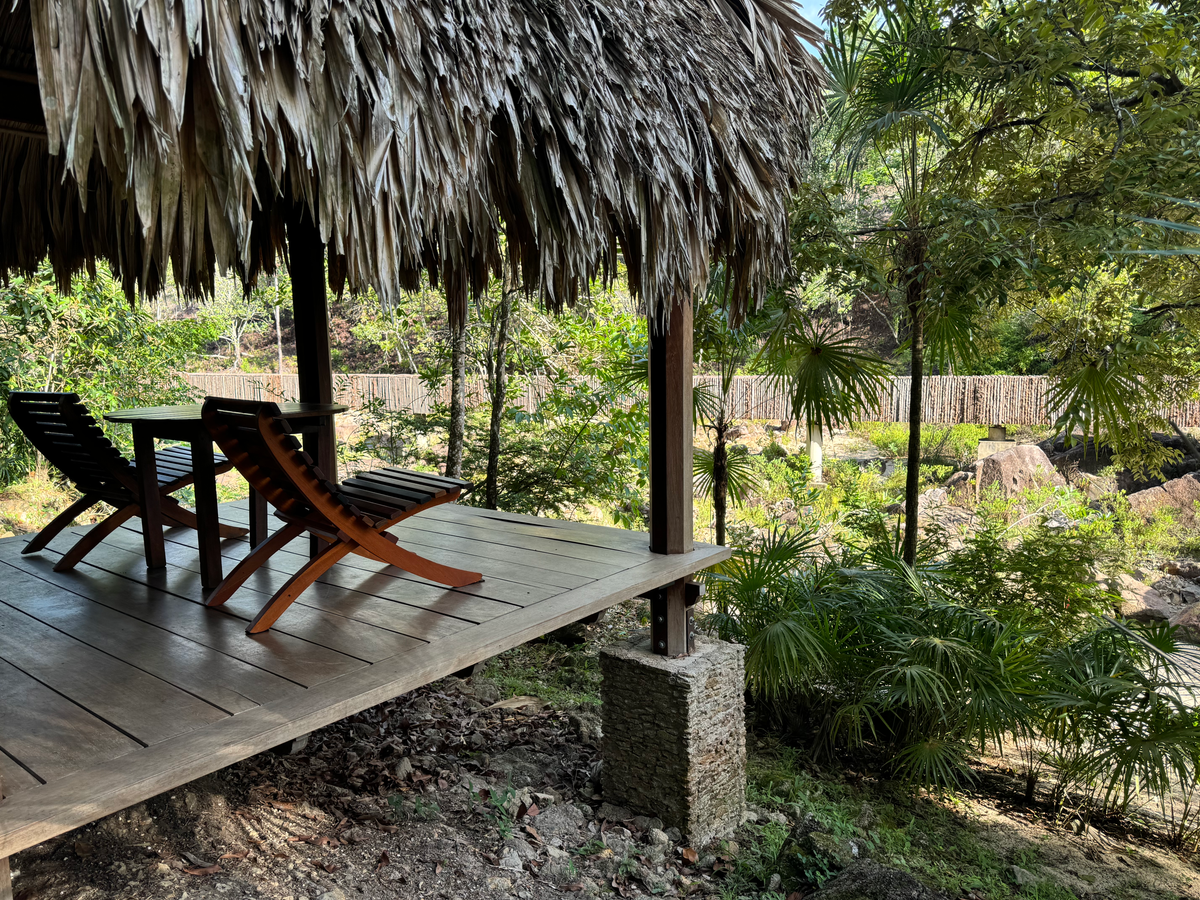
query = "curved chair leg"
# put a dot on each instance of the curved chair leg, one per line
(394, 555)
(61, 521)
(174, 512)
(297, 585)
(251, 563)
(88, 542)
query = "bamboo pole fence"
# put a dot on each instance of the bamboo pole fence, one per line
(949, 399)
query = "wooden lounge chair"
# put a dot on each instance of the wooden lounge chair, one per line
(63, 431)
(351, 517)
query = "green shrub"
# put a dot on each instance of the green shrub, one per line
(1003, 636)
(956, 443)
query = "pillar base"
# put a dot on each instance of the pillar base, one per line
(674, 741)
(990, 448)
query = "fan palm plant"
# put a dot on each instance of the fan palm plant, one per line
(827, 374)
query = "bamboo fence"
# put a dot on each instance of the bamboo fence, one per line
(949, 400)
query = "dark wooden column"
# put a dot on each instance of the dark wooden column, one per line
(671, 466)
(310, 310)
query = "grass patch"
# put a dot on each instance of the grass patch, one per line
(564, 677)
(933, 839)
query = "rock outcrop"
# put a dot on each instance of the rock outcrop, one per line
(1017, 469)
(868, 880)
(1180, 494)
(1140, 602)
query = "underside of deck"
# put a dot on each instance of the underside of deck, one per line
(117, 683)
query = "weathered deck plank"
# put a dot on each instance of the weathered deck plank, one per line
(281, 654)
(13, 778)
(111, 778)
(48, 733)
(145, 707)
(225, 682)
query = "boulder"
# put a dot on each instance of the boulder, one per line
(960, 485)
(868, 880)
(1188, 624)
(1140, 602)
(1015, 470)
(934, 498)
(1180, 494)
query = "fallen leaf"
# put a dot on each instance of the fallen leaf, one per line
(302, 838)
(279, 804)
(207, 870)
(198, 862)
(83, 848)
(573, 887)
(241, 855)
(796, 895)
(532, 811)
(689, 854)
(517, 703)
(437, 870)
(384, 860)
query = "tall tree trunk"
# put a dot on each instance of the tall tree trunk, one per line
(499, 391)
(914, 289)
(458, 401)
(720, 475)
(278, 330)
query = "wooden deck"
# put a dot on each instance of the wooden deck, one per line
(116, 683)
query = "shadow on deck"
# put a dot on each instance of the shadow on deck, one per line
(116, 683)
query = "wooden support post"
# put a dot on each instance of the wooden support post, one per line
(671, 433)
(672, 622)
(310, 309)
(310, 312)
(671, 429)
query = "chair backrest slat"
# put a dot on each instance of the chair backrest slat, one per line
(242, 429)
(63, 431)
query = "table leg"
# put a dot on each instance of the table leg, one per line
(258, 518)
(151, 502)
(207, 521)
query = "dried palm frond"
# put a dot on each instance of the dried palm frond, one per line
(417, 131)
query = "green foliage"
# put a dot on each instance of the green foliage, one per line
(829, 376)
(1002, 636)
(585, 443)
(957, 443)
(740, 472)
(91, 342)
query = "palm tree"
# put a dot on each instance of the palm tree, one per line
(723, 475)
(890, 79)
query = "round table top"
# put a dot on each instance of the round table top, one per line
(190, 412)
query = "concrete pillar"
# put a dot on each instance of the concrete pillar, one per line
(816, 451)
(997, 441)
(675, 735)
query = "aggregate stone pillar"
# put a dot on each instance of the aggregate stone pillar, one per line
(674, 741)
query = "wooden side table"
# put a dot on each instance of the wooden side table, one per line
(183, 423)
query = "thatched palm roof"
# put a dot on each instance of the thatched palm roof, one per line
(418, 130)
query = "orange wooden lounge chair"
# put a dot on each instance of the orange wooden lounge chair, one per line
(351, 517)
(63, 431)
